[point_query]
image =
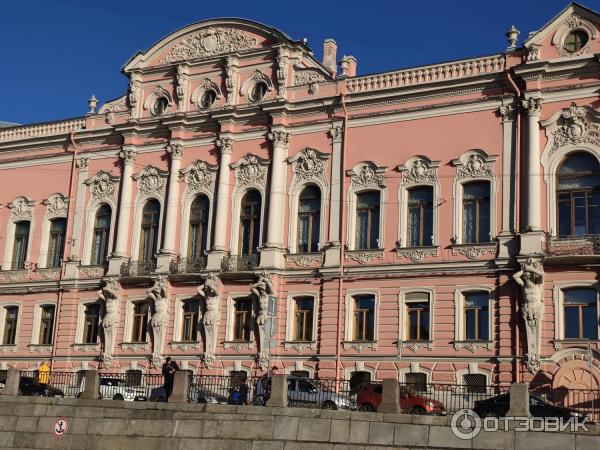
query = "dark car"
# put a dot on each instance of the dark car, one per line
(369, 399)
(32, 387)
(499, 405)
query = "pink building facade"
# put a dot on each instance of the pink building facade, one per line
(245, 205)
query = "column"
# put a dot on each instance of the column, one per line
(272, 255)
(332, 251)
(506, 236)
(221, 212)
(534, 173)
(74, 258)
(127, 156)
(175, 151)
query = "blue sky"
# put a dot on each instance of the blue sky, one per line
(56, 53)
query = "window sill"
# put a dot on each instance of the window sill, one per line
(415, 346)
(299, 346)
(40, 348)
(238, 346)
(185, 345)
(364, 256)
(558, 343)
(475, 251)
(359, 346)
(5, 348)
(135, 346)
(416, 254)
(473, 345)
(86, 347)
(304, 259)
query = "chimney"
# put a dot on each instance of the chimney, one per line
(330, 55)
(348, 66)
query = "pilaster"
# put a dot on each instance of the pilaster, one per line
(333, 248)
(506, 238)
(74, 256)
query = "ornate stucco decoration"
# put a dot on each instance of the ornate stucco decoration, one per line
(160, 317)
(474, 251)
(418, 170)
(110, 108)
(309, 164)
(279, 138)
(571, 23)
(151, 181)
(474, 164)
(300, 346)
(135, 82)
(531, 280)
(251, 170)
(416, 254)
(534, 52)
(261, 291)
(336, 133)
(360, 346)
(230, 79)
(574, 125)
(210, 42)
(310, 78)
(257, 76)
(110, 296)
(199, 176)
(103, 186)
(282, 72)
(304, 260)
(225, 145)
(473, 346)
(57, 206)
(159, 92)
(363, 256)
(367, 175)
(507, 112)
(82, 164)
(209, 291)
(127, 155)
(415, 346)
(21, 209)
(205, 85)
(181, 83)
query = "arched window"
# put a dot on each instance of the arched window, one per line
(20, 245)
(250, 223)
(309, 220)
(420, 216)
(367, 220)
(578, 195)
(149, 241)
(56, 247)
(198, 227)
(476, 212)
(101, 235)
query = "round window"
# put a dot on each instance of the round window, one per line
(207, 99)
(575, 41)
(258, 91)
(160, 106)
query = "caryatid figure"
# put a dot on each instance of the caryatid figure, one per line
(160, 317)
(261, 290)
(109, 294)
(209, 291)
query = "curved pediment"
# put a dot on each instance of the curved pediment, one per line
(208, 39)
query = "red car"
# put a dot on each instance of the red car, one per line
(369, 399)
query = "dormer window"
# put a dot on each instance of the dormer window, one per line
(208, 99)
(575, 41)
(258, 91)
(160, 106)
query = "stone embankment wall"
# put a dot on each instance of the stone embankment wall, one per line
(27, 422)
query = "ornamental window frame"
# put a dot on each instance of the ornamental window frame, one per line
(403, 314)
(157, 93)
(80, 327)
(467, 172)
(248, 86)
(178, 316)
(128, 324)
(37, 322)
(459, 312)
(290, 315)
(22, 210)
(414, 367)
(574, 22)
(50, 215)
(472, 369)
(559, 311)
(418, 171)
(206, 85)
(358, 185)
(349, 315)
(230, 320)
(3, 311)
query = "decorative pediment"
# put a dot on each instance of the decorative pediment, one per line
(21, 209)
(310, 78)
(252, 80)
(199, 176)
(474, 164)
(367, 175)
(151, 181)
(158, 92)
(418, 170)
(103, 186)
(309, 164)
(115, 106)
(572, 126)
(57, 205)
(251, 170)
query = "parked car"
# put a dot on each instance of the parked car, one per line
(31, 386)
(499, 405)
(302, 391)
(117, 389)
(369, 399)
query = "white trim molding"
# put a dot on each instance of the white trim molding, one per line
(460, 340)
(126, 343)
(472, 369)
(3, 307)
(206, 85)
(22, 210)
(37, 320)
(56, 208)
(238, 346)
(559, 312)
(349, 342)
(415, 367)
(290, 342)
(158, 92)
(403, 342)
(81, 323)
(177, 341)
(251, 81)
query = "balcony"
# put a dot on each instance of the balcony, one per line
(573, 247)
(187, 265)
(235, 263)
(138, 268)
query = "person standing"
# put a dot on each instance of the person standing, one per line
(44, 372)
(168, 370)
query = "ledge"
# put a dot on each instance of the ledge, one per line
(184, 345)
(238, 346)
(364, 256)
(415, 346)
(40, 348)
(473, 345)
(359, 346)
(558, 343)
(5, 348)
(304, 259)
(416, 254)
(475, 251)
(86, 347)
(135, 346)
(300, 346)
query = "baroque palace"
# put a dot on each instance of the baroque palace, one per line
(245, 205)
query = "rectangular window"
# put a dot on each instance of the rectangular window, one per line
(242, 316)
(133, 377)
(416, 382)
(476, 316)
(189, 325)
(56, 246)
(417, 316)
(303, 318)
(476, 212)
(475, 383)
(46, 324)
(367, 220)
(420, 216)
(10, 325)
(140, 322)
(20, 245)
(580, 313)
(364, 318)
(91, 323)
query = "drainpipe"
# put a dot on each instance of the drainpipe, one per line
(68, 238)
(342, 234)
(517, 217)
